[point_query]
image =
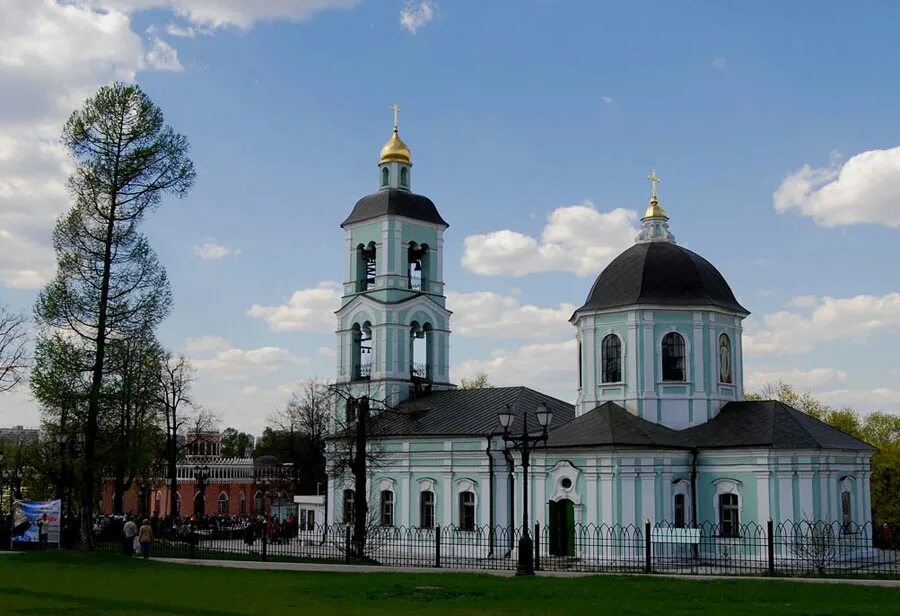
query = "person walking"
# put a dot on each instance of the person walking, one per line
(128, 533)
(43, 525)
(145, 538)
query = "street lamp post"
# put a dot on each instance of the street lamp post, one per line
(525, 443)
(201, 476)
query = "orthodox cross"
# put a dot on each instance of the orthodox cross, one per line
(396, 110)
(654, 181)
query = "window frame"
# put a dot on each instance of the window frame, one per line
(732, 526)
(467, 510)
(348, 506)
(386, 509)
(667, 356)
(605, 359)
(220, 501)
(679, 510)
(427, 509)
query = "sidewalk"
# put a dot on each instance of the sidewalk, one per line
(314, 567)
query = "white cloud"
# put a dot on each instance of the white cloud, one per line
(720, 63)
(308, 310)
(866, 188)
(228, 363)
(416, 14)
(607, 100)
(803, 301)
(163, 57)
(212, 250)
(550, 368)
(816, 378)
(862, 400)
(576, 239)
(485, 314)
(854, 319)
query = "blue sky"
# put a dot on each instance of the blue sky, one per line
(532, 125)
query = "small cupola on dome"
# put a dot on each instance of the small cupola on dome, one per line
(395, 164)
(655, 223)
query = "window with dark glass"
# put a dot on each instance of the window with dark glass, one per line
(387, 508)
(846, 513)
(679, 511)
(729, 523)
(426, 509)
(385, 176)
(467, 510)
(258, 503)
(223, 503)
(611, 357)
(349, 509)
(673, 363)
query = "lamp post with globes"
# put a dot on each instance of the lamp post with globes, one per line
(525, 443)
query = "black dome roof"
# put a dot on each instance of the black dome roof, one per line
(397, 202)
(660, 273)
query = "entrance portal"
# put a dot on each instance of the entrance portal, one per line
(562, 528)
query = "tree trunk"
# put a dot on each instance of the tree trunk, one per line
(172, 464)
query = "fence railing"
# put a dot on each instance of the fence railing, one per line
(787, 548)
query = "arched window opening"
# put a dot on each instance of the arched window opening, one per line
(362, 356)
(729, 521)
(387, 508)
(426, 509)
(420, 341)
(417, 265)
(404, 177)
(385, 176)
(467, 510)
(223, 503)
(242, 504)
(349, 508)
(679, 510)
(846, 511)
(725, 359)
(258, 503)
(673, 364)
(366, 267)
(611, 359)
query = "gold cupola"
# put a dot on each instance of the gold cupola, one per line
(655, 222)
(395, 151)
(654, 210)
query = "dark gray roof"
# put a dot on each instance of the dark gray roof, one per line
(660, 273)
(771, 424)
(468, 412)
(397, 202)
(610, 425)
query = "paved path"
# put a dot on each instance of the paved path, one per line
(306, 567)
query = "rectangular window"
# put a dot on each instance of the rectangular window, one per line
(679, 511)
(846, 514)
(426, 509)
(387, 508)
(311, 520)
(467, 510)
(729, 524)
(349, 510)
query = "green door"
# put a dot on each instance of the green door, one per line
(562, 528)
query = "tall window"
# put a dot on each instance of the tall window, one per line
(611, 351)
(724, 359)
(387, 508)
(223, 503)
(385, 176)
(426, 509)
(467, 510)
(846, 512)
(258, 503)
(580, 377)
(362, 356)
(673, 357)
(679, 510)
(366, 266)
(404, 177)
(349, 506)
(729, 522)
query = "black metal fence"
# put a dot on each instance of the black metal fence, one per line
(788, 548)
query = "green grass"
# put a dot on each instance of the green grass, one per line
(70, 583)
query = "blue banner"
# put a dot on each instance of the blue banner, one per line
(26, 516)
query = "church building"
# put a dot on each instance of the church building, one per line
(659, 428)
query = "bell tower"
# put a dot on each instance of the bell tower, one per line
(393, 324)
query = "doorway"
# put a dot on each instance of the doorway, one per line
(562, 528)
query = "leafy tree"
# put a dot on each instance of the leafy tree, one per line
(479, 381)
(109, 283)
(234, 444)
(13, 353)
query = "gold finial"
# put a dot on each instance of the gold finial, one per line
(395, 150)
(654, 211)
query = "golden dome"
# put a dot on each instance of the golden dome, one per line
(395, 151)
(654, 211)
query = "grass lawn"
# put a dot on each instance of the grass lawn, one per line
(71, 583)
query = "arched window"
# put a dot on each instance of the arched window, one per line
(611, 359)
(725, 359)
(385, 176)
(404, 177)
(361, 343)
(426, 509)
(366, 267)
(259, 504)
(416, 265)
(420, 341)
(242, 503)
(673, 364)
(223, 503)
(846, 511)
(387, 508)
(467, 510)
(349, 506)
(729, 521)
(679, 508)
